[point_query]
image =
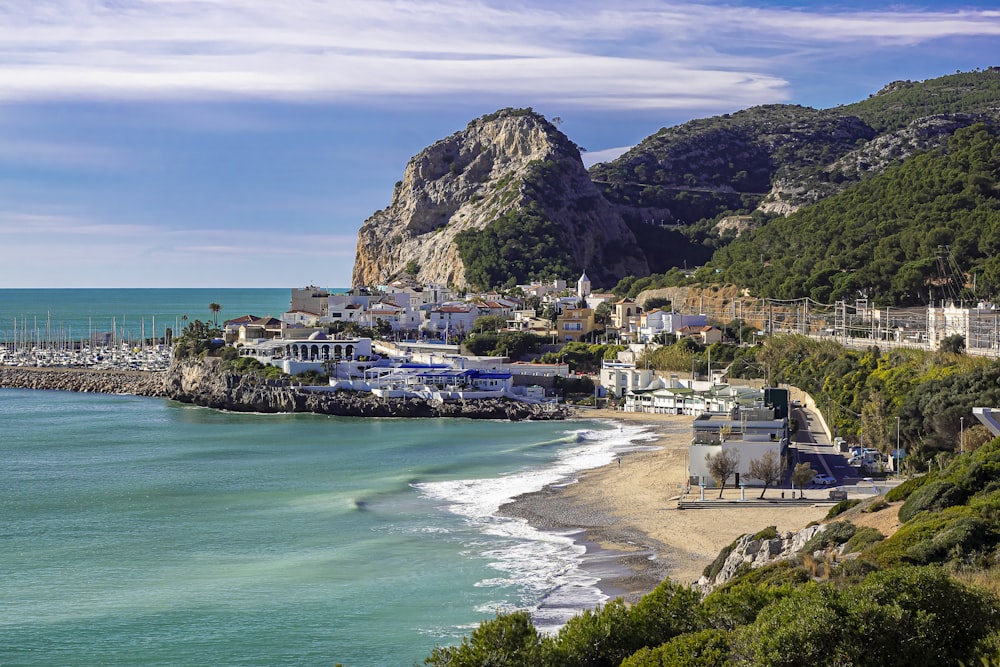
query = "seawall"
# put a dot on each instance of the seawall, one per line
(138, 383)
(204, 382)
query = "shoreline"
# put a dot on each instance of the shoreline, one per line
(626, 515)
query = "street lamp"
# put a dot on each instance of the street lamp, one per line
(897, 445)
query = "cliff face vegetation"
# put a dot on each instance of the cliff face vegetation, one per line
(506, 198)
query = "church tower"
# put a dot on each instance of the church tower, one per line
(583, 286)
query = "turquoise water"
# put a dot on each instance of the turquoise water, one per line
(144, 532)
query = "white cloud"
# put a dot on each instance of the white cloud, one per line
(581, 53)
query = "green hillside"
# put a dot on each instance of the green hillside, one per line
(883, 238)
(902, 102)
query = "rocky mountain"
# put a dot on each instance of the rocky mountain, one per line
(507, 199)
(508, 196)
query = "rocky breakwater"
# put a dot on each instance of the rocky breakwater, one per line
(206, 383)
(138, 383)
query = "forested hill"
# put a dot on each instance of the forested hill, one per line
(799, 202)
(916, 233)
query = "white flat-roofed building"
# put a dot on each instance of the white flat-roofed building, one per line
(657, 321)
(618, 378)
(750, 433)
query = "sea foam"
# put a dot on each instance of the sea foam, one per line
(536, 570)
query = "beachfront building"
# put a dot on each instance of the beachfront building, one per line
(676, 396)
(251, 328)
(620, 377)
(435, 382)
(748, 432)
(319, 352)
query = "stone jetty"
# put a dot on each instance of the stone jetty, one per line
(204, 382)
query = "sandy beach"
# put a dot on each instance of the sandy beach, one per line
(630, 509)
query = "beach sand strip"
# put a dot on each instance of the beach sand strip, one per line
(626, 513)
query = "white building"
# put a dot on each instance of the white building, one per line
(618, 377)
(583, 286)
(319, 352)
(749, 433)
(657, 321)
(452, 317)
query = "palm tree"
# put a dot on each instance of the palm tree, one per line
(215, 308)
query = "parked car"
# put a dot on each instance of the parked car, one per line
(823, 479)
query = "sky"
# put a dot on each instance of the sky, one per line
(232, 143)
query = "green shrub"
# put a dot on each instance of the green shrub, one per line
(955, 540)
(855, 568)
(933, 496)
(708, 648)
(805, 628)
(739, 601)
(863, 537)
(917, 616)
(902, 546)
(769, 533)
(780, 573)
(903, 491)
(877, 505)
(509, 635)
(836, 533)
(841, 507)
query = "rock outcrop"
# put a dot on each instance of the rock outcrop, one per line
(512, 160)
(759, 552)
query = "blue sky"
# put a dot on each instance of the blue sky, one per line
(224, 143)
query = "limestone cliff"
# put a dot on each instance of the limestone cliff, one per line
(499, 166)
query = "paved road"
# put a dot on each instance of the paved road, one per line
(814, 448)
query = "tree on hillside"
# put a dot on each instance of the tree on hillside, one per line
(215, 308)
(722, 466)
(801, 476)
(489, 323)
(953, 344)
(768, 469)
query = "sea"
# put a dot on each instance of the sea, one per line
(139, 531)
